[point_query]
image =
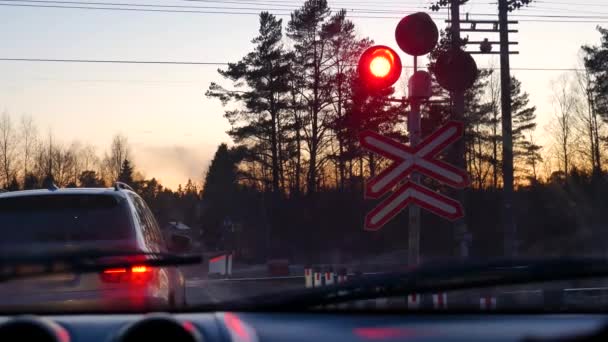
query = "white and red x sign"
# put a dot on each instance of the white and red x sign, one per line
(421, 158)
(412, 193)
(406, 159)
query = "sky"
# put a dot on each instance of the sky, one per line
(172, 127)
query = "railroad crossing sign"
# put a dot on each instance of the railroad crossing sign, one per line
(406, 159)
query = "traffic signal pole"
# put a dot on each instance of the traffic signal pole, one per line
(510, 233)
(462, 234)
(414, 133)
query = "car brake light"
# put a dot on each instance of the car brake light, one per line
(140, 269)
(136, 274)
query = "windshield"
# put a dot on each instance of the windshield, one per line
(302, 146)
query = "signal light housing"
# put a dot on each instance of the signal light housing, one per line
(379, 67)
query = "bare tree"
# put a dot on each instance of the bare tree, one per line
(28, 142)
(8, 147)
(562, 130)
(589, 121)
(119, 151)
(88, 158)
(493, 93)
(63, 165)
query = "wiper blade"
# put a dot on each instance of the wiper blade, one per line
(20, 266)
(427, 279)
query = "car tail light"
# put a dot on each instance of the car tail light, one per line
(139, 274)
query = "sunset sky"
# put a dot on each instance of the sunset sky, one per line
(172, 127)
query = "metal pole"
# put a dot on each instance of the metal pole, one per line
(510, 232)
(460, 226)
(413, 125)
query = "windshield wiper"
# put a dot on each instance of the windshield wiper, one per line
(19, 266)
(426, 279)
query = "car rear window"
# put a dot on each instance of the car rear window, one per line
(63, 218)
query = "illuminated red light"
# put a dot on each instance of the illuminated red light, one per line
(189, 327)
(379, 67)
(384, 333)
(63, 335)
(140, 269)
(115, 270)
(234, 324)
(139, 274)
(217, 258)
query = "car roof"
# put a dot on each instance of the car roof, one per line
(66, 191)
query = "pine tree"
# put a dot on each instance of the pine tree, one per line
(220, 190)
(126, 172)
(31, 182)
(526, 153)
(594, 83)
(90, 179)
(312, 57)
(262, 85)
(596, 62)
(13, 185)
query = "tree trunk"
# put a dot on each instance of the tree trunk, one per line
(495, 150)
(275, 156)
(372, 165)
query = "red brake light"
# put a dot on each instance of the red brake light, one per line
(137, 275)
(140, 269)
(379, 67)
(115, 270)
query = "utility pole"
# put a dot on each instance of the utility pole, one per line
(510, 232)
(502, 28)
(462, 235)
(413, 125)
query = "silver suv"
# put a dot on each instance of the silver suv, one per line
(101, 219)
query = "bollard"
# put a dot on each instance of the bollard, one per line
(229, 265)
(317, 278)
(413, 301)
(329, 277)
(308, 277)
(342, 276)
(380, 302)
(487, 303)
(440, 301)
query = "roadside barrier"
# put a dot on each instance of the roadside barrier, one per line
(342, 276)
(440, 301)
(221, 264)
(414, 301)
(308, 282)
(329, 277)
(317, 278)
(487, 303)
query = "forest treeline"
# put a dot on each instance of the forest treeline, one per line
(294, 172)
(290, 182)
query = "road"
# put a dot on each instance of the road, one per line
(204, 291)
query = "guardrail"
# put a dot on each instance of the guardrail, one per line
(555, 299)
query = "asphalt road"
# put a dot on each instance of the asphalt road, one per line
(203, 291)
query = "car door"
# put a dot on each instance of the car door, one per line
(154, 237)
(154, 243)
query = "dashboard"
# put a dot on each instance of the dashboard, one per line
(331, 327)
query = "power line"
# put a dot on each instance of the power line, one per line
(119, 61)
(571, 3)
(594, 19)
(106, 61)
(173, 6)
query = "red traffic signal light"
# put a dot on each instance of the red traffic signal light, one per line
(379, 67)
